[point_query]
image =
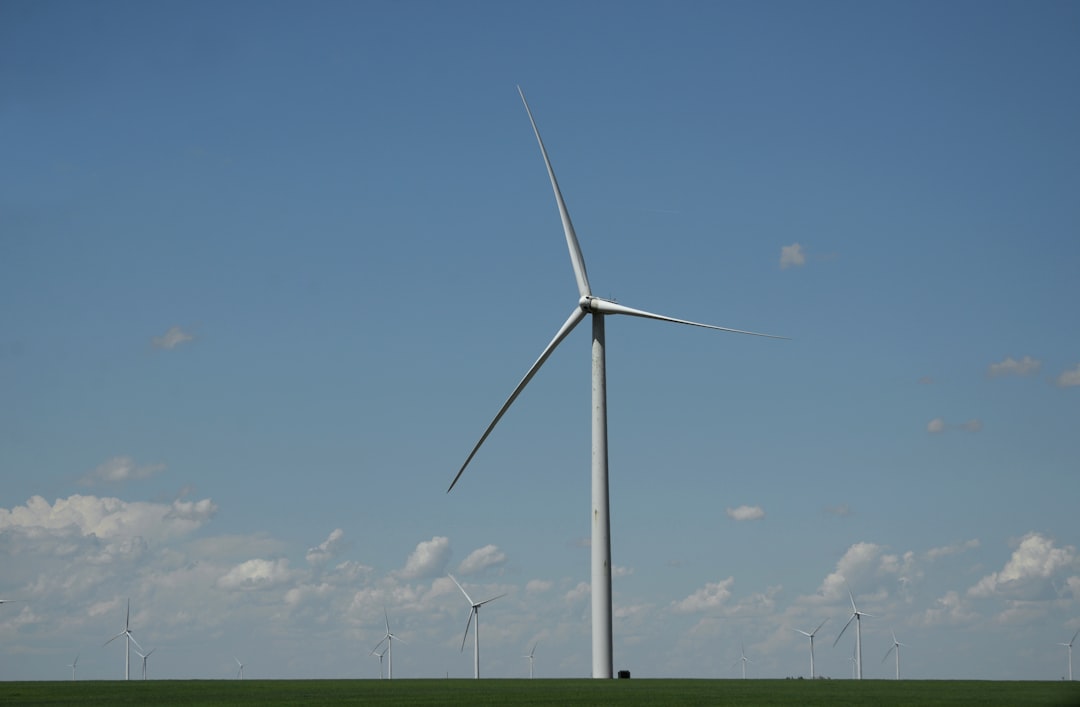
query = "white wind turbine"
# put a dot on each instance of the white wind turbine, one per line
(1069, 645)
(474, 612)
(742, 659)
(389, 638)
(856, 616)
(380, 657)
(144, 658)
(239, 669)
(126, 633)
(895, 647)
(811, 637)
(588, 304)
(74, 664)
(530, 657)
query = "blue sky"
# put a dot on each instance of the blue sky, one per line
(268, 269)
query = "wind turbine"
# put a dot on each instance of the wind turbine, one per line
(811, 637)
(895, 647)
(380, 657)
(389, 638)
(144, 657)
(1069, 645)
(240, 668)
(588, 304)
(73, 665)
(530, 657)
(130, 639)
(474, 611)
(742, 659)
(856, 616)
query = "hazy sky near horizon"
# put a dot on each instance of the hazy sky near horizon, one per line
(268, 269)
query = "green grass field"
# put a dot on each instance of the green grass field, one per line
(541, 692)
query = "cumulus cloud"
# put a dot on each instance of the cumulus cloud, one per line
(119, 469)
(949, 609)
(256, 575)
(578, 594)
(1029, 572)
(327, 549)
(171, 339)
(1011, 367)
(105, 518)
(746, 513)
(538, 586)
(482, 559)
(1069, 378)
(428, 559)
(792, 256)
(935, 426)
(710, 597)
(859, 561)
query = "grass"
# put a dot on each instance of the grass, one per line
(542, 692)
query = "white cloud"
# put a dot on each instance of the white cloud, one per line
(172, 338)
(972, 425)
(118, 469)
(792, 256)
(746, 513)
(428, 559)
(948, 609)
(938, 425)
(935, 426)
(1069, 378)
(857, 562)
(710, 597)
(1011, 367)
(104, 518)
(326, 550)
(577, 594)
(254, 575)
(481, 559)
(1028, 573)
(538, 586)
(946, 550)
(841, 511)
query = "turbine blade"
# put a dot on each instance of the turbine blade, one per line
(818, 627)
(133, 639)
(851, 596)
(888, 653)
(575, 318)
(808, 635)
(603, 306)
(576, 259)
(467, 597)
(380, 643)
(842, 630)
(114, 638)
(1073, 640)
(467, 625)
(491, 599)
(386, 617)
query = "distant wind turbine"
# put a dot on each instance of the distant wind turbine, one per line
(126, 633)
(1069, 645)
(389, 638)
(74, 664)
(599, 308)
(240, 668)
(742, 659)
(856, 616)
(474, 612)
(530, 657)
(811, 637)
(895, 647)
(380, 657)
(144, 658)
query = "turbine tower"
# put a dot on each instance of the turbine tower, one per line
(811, 637)
(530, 657)
(380, 657)
(895, 647)
(474, 612)
(239, 669)
(126, 633)
(74, 664)
(1069, 645)
(598, 308)
(389, 638)
(856, 616)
